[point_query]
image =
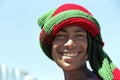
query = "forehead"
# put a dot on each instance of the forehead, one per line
(73, 29)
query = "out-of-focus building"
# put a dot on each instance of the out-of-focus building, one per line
(13, 74)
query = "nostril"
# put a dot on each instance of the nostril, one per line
(69, 43)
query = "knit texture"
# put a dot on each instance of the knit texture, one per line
(73, 14)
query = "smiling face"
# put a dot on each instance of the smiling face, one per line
(69, 48)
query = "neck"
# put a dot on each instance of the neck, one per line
(79, 74)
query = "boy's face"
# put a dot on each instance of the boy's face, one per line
(69, 47)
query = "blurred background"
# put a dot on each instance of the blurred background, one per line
(19, 34)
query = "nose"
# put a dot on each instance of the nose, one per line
(70, 43)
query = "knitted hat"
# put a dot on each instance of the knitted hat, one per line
(73, 14)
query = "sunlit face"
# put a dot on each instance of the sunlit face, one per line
(69, 47)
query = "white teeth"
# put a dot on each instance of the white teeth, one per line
(70, 54)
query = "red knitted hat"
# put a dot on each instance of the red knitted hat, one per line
(67, 14)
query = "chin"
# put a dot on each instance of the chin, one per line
(68, 67)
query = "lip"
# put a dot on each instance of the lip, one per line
(70, 54)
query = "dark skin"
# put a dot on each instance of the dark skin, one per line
(69, 51)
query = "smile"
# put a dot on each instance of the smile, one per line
(70, 54)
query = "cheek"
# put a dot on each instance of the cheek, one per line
(55, 49)
(55, 55)
(83, 45)
(56, 45)
(86, 47)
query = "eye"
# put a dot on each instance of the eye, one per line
(61, 36)
(80, 36)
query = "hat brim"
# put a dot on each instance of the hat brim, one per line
(78, 21)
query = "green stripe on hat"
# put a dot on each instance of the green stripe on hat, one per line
(44, 18)
(48, 27)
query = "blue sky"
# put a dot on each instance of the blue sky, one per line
(19, 33)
